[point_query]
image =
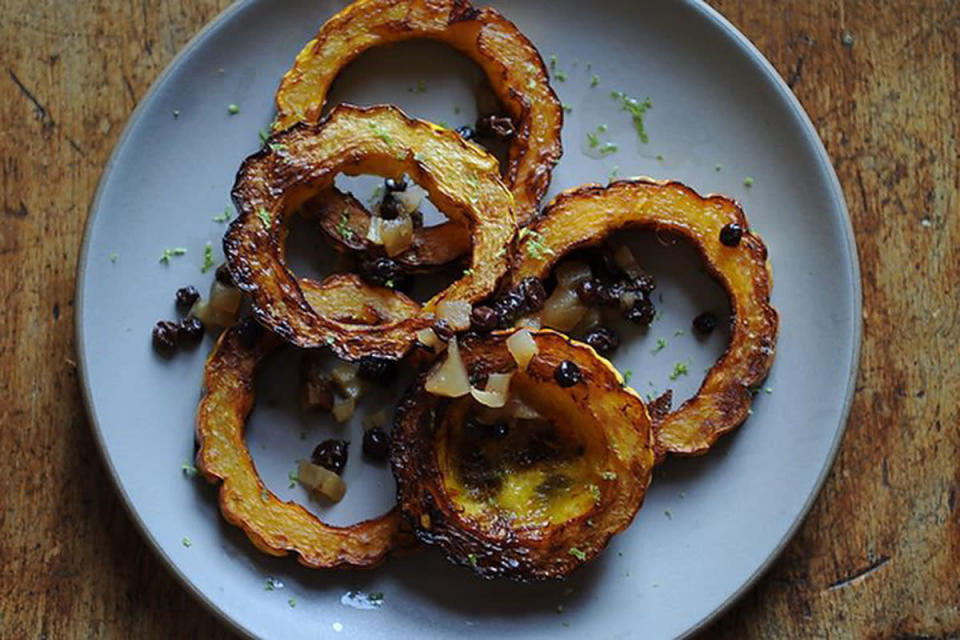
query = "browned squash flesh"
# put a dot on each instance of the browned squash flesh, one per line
(586, 215)
(346, 298)
(511, 62)
(461, 179)
(345, 222)
(542, 500)
(275, 527)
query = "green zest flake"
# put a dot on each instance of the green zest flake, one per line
(187, 541)
(661, 345)
(274, 146)
(233, 109)
(114, 256)
(188, 469)
(207, 258)
(602, 128)
(613, 173)
(171, 253)
(567, 108)
(388, 284)
(595, 492)
(679, 369)
(536, 249)
(294, 478)
(578, 554)
(330, 340)
(223, 217)
(626, 376)
(264, 135)
(272, 584)
(380, 133)
(768, 390)
(292, 602)
(553, 62)
(748, 182)
(472, 559)
(561, 76)
(264, 216)
(593, 139)
(678, 332)
(467, 272)
(265, 495)
(637, 111)
(343, 228)
(660, 157)
(594, 81)
(608, 475)
(608, 148)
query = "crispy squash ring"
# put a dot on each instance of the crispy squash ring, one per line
(274, 527)
(586, 215)
(461, 179)
(502, 506)
(511, 62)
(345, 221)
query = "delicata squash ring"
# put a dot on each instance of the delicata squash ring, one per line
(461, 179)
(274, 527)
(546, 497)
(586, 215)
(511, 62)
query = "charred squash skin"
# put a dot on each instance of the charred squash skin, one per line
(511, 62)
(604, 481)
(586, 215)
(345, 221)
(461, 179)
(275, 527)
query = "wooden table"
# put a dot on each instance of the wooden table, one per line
(879, 555)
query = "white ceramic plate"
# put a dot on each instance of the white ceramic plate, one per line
(710, 525)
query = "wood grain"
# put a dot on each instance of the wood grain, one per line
(879, 556)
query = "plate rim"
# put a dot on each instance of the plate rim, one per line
(771, 75)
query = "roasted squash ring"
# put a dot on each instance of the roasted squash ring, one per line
(345, 221)
(274, 527)
(511, 62)
(586, 215)
(548, 496)
(461, 179)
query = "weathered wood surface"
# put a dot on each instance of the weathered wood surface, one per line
(879, 555)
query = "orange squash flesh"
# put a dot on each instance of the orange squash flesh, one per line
(462, 181)
(275, 527)
(346, 298)
(585, 216)
(501, 505)
(511, 62)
